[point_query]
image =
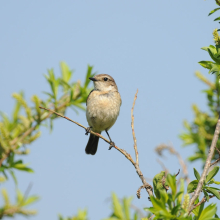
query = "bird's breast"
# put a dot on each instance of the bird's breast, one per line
(102, 110)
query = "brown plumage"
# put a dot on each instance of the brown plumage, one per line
(103, 105)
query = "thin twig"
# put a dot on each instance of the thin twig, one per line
(178, 172)
(217, 159)
(163, 166)
(172, 150)
(206, 168)
(163, 183)
(147, 186)
(203, 200)
(132, 127)
(152, 216)
(92, 132)
(139, 191)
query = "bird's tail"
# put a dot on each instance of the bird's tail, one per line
(92, 144)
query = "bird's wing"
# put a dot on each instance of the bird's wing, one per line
(89, 95)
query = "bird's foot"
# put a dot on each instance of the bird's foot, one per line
(112, 144)
(88, 130)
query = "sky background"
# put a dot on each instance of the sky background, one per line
(150, 45)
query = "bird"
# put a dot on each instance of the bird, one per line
(102, 109)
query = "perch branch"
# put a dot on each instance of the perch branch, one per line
(146, 185)
(206, 168)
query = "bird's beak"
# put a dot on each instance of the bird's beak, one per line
(93, 79)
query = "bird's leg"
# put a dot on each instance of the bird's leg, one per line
(88, 130)
(112, 144)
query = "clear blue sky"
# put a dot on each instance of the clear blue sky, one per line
(150, 45)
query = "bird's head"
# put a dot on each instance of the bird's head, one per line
(104, 82)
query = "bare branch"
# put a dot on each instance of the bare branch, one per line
(163, 166)
(163, 182)
(139, 192)
(206, 168)
(178, 172)
(132, 127)
(202, 201)
(159, 149)
(151, 216)
(147, 186)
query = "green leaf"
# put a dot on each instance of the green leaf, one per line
(126, 204)
(196, 173)
(51, 95)
(171, 179)
(206, 64)
(216, 182)
(217, 19)
(16, 111)
(88, 75)
(212, 11)
(117, 208)
(206, 195)
(201, 207)
(20, 196)
(212, 53)
(192, 186)
(23, 167)
(181, 190)
(135, 216)
(216, 216)
(214, 192)
(157, 204)
(175, 209)
(215, 68)
(66, 72)
(5, 197)
(208, 212)
(211, 174)
(14, 177)
(30, 200)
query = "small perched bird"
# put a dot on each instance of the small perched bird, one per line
(103, 106)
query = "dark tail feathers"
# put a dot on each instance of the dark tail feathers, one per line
(92, 144)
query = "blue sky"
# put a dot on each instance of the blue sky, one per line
(150, 45)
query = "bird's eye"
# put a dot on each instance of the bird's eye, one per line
(105, 79)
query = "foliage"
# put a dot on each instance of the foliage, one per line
(81, 215)
(121, 210)
(200, 131)
(170, 205)
(159, 183)
(22, 128)
(169, 200)
(19, 207)
(206, 188)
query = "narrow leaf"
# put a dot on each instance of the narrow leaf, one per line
(196, 173)
(211, 174)
(212, 11)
